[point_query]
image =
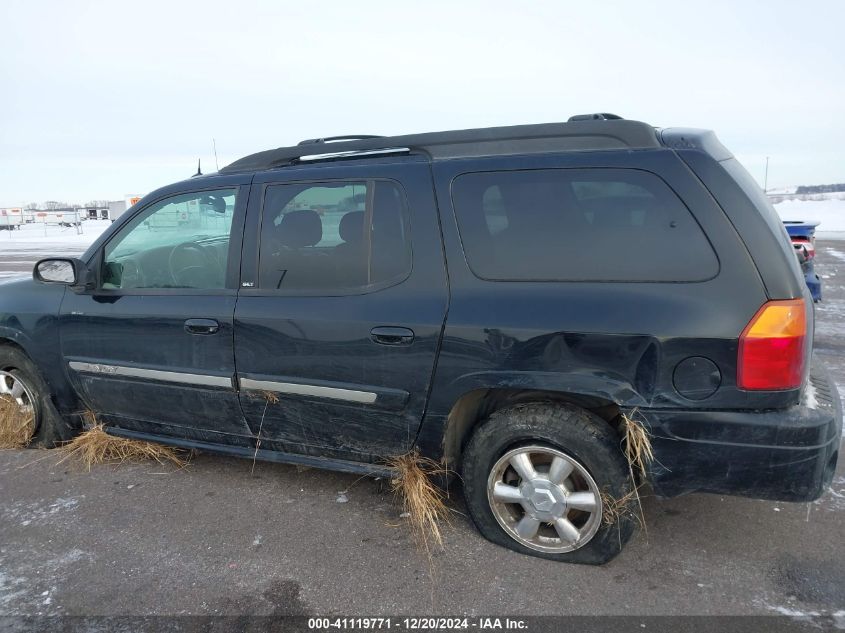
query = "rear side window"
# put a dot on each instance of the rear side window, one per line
(578, 225)
(334, 236)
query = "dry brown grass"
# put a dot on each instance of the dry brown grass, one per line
(637, 444)
(269, 398)
(16, 428)
(95, 446)
(422, 501)
(614, 509)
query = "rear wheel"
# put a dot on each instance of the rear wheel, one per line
(534, 476)
(21, 382)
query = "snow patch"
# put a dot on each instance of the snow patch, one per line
(833, 499)
(11, 588)
(810, 396)
(801, 615)
(36, 235)
(38, 511)
(829, 212)
(795, 613)
(23, 594)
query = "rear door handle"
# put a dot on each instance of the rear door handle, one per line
(202, 326)
(389, 335)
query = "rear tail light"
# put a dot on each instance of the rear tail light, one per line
(807, 244)
(771, 347)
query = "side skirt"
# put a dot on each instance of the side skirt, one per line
(325, 463)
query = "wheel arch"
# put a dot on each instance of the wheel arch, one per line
(62, 394)
(473, 407)
(7, 340)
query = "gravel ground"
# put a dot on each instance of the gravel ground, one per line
(216, 538)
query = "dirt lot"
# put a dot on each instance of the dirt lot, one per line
(216, 539)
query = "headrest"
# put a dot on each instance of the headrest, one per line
(299, 228)
(351, 227)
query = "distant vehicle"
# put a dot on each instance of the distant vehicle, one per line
(116, 209)
(65, 217)
(167, 218)
(342, 302)
(803, 237)
(11, 219)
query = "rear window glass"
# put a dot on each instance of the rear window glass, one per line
(578, 225)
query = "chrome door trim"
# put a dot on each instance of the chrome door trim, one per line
(198, 380)
(334, 393)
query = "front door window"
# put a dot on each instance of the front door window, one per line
(179, 242)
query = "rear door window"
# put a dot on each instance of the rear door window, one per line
(579, 225)
(340, 236)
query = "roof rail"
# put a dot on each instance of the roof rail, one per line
(597, 132)
(331, 139)
(363, 153)
(597, 116)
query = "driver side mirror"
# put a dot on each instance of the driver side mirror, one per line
(63, 270)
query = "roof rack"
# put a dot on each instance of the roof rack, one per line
(364, 153)
(332, 139)
(586, 132)
(598, 116)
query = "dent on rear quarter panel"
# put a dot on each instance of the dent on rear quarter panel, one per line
(616, 341)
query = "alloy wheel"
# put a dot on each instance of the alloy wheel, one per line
(14, 388)
(544, 499)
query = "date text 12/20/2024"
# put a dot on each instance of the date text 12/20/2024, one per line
(416, 624)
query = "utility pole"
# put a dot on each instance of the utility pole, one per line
(766, 177)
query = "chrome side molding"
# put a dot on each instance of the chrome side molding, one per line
(334, 393)
(225, 382)
(200, 380)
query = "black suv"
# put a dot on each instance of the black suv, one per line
(499, 299)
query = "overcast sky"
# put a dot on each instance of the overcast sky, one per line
(102, 99)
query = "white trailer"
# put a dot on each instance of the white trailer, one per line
(11, 218)
(116, 209)
(64, 217)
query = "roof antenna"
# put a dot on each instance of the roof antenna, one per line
(214, 144)
(199, 169)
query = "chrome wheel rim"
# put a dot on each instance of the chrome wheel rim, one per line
(12, 387)
(544, 499)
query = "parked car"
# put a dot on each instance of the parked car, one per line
(449, 313)
(803, 237)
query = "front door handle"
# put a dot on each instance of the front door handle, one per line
(202, 326)
(389, 335)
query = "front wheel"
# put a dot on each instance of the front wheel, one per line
(534, 477)
(21, 384)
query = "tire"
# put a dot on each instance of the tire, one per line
(50, 428)
(566, 434)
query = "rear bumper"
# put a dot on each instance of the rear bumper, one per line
(787, 455)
